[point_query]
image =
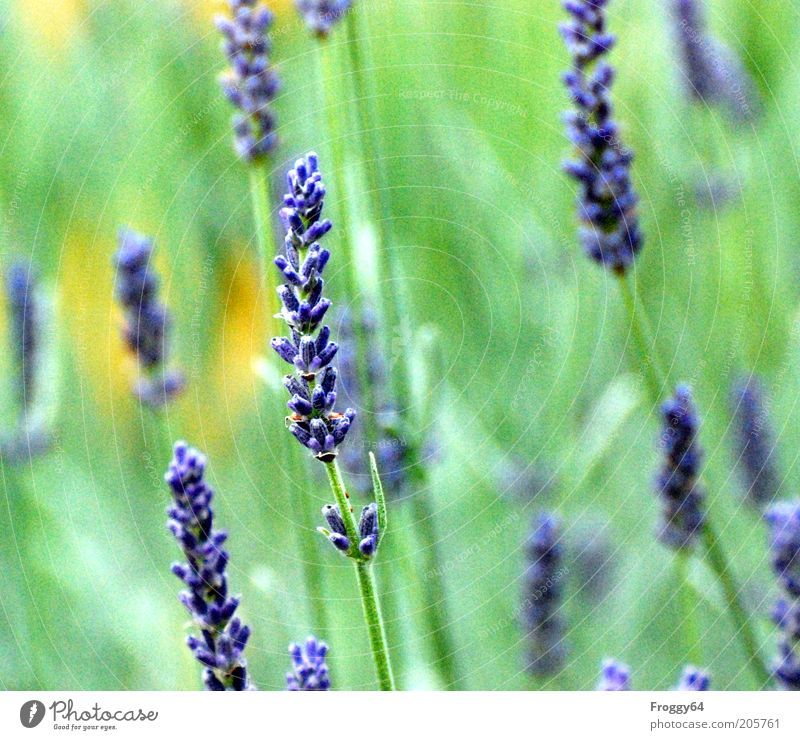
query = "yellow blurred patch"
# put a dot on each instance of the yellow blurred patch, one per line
(244, 328)
(52, 24)
(205, 10)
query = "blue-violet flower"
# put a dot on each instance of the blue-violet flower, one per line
(677, 483)
(251, 83)
(606, 200)
(784, 529)
(147, 320)
(308, 349)
(322, 15)
(191, 519)
(309, 669)
(543, 595)
(614, 676)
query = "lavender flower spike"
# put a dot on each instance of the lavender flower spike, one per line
(754, 443)
(543, 596)
(693, 679)
(219, 649)
(24, 318)
(251, 83)
(784, 529)
(309, 670)
(713, 73)
(322, 15)
(606, 200)
(614, 676)
(147, 321)
(308, 349)
(677, 484)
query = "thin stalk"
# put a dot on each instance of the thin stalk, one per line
(366, 584)
(721, 567)
(334, 94)
(715, 555)
(688, 608)
(377, 633)
(396, 317)
(259, 194)
(643, 336)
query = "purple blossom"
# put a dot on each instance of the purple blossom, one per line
(754, 447)
(693, 679)
(614, 676)
(677, 483)
(309, 669)
(543, 596)
(147, 320)
(322, 15)
(784, 531)
(607, 201)
(308, 349)
(250, 84)
(219, 648)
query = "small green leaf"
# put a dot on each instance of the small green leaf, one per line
(380, 499)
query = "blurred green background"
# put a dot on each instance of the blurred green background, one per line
(110, 114)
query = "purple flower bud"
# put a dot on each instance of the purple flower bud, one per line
(309, 670)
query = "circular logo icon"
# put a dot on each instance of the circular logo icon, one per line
(32, 713)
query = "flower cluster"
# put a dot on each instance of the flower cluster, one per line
(391, 449)
(309, 350)
(368, 529)
(784, 527)
(191, 519)
(147, 320)
(251, 83)
(322, 15)
(754, 442)
(677, 484)
(24, 320)
(614, 676)
(309, 670)
(543, 594)
(606, 201)
(693, 679)
(713, 74)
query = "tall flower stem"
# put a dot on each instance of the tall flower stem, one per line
(297, 470)
(366, 584)
(331, 84)
(396, 317)
(714, 553)
(721, 567)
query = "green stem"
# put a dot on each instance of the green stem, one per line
(722, 569)
(377, 634)
(333, 95)
(643, 336)
(366, 584)
(259, 193)
(715, 555)
(687, 607)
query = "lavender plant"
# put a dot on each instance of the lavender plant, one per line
(309, 669)
(713, 74)
(314, 422)
(784, 531)
(250, 84)
(147, 320)
(677, 483)
(322, 15)
(543, 596)
(614, 676)
(220, 647)
(693, 679)
(754, 447)
(606, 199)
